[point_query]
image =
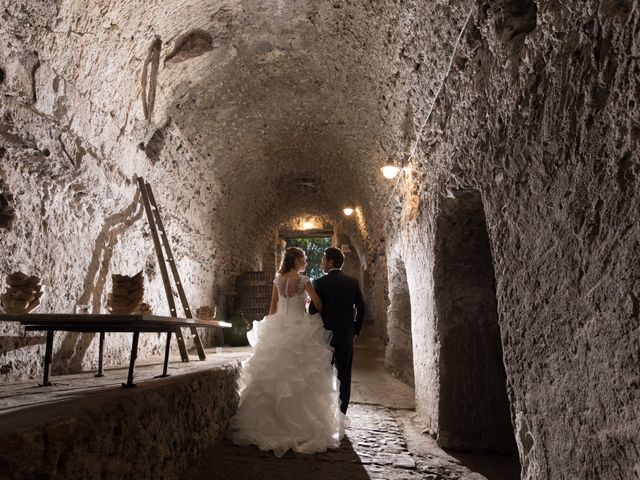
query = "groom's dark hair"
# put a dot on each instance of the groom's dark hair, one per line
(336, 256)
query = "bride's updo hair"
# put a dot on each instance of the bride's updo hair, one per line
(289, 259)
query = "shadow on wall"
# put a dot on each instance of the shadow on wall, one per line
(15, 342)
(474, 412)
(70, 355)
(399, 353)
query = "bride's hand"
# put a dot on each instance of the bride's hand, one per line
(314, 296)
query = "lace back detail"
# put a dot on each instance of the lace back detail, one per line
(290, 286)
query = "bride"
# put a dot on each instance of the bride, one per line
(288, 387)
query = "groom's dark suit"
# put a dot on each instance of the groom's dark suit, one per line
(343, 314)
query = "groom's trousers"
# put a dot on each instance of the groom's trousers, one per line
(342, 359)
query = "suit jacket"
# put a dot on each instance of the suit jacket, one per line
(342, 305)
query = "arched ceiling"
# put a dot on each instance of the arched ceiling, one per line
(279, 103)
(287, 94)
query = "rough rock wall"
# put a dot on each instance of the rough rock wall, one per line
(153, 431)
(73, 135)
(540, 114)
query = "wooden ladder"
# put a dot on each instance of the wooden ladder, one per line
(158, 232)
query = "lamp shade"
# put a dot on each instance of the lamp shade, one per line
(348, 211)
(390, 169)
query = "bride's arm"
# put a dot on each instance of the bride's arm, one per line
(274, 301)
(314, 296)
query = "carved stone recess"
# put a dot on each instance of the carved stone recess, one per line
(7, 212)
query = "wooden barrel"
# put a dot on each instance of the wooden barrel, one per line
(254, 294)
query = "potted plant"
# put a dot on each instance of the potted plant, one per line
(236, 335)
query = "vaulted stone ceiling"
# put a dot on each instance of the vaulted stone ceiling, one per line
(285, 98)
(264, 96)
(244, 114)
(281, 93)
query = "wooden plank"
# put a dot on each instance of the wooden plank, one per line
(101, 327)
(105, 321)
(98, 316)
(102, 323)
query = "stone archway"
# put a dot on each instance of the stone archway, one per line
(399, 352)
(474, 412)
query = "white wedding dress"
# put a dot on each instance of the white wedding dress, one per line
(288, 387)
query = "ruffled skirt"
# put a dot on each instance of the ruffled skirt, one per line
(288, 388)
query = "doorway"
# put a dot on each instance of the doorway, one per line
(314, 246)
(474, 411)
(399, 352)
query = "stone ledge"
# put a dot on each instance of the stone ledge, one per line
(152, 431)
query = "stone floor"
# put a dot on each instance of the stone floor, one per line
(385, 441)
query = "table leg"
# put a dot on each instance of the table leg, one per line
(100, 356)
(48, 353)
(167, 349)
(132, 360)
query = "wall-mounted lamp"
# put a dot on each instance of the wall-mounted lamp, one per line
(308, 225)
(348, 211)
(390, 169)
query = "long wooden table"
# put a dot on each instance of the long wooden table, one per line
(104, 323)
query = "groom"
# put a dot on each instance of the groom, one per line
(342, 313)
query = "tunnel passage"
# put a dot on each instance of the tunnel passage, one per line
(474, 408)
(399, 353)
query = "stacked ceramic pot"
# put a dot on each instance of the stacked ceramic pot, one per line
(22, 295)
(206, 313)
(126, 295)
(144, 309)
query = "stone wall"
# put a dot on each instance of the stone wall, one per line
(540, 114)
(77, 220)
(73, 136)
(152, 431)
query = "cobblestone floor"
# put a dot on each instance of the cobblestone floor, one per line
(384, 441)
(374, 448)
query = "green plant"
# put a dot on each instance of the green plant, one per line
(236, 335)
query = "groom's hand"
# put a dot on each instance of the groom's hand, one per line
(354, 338)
